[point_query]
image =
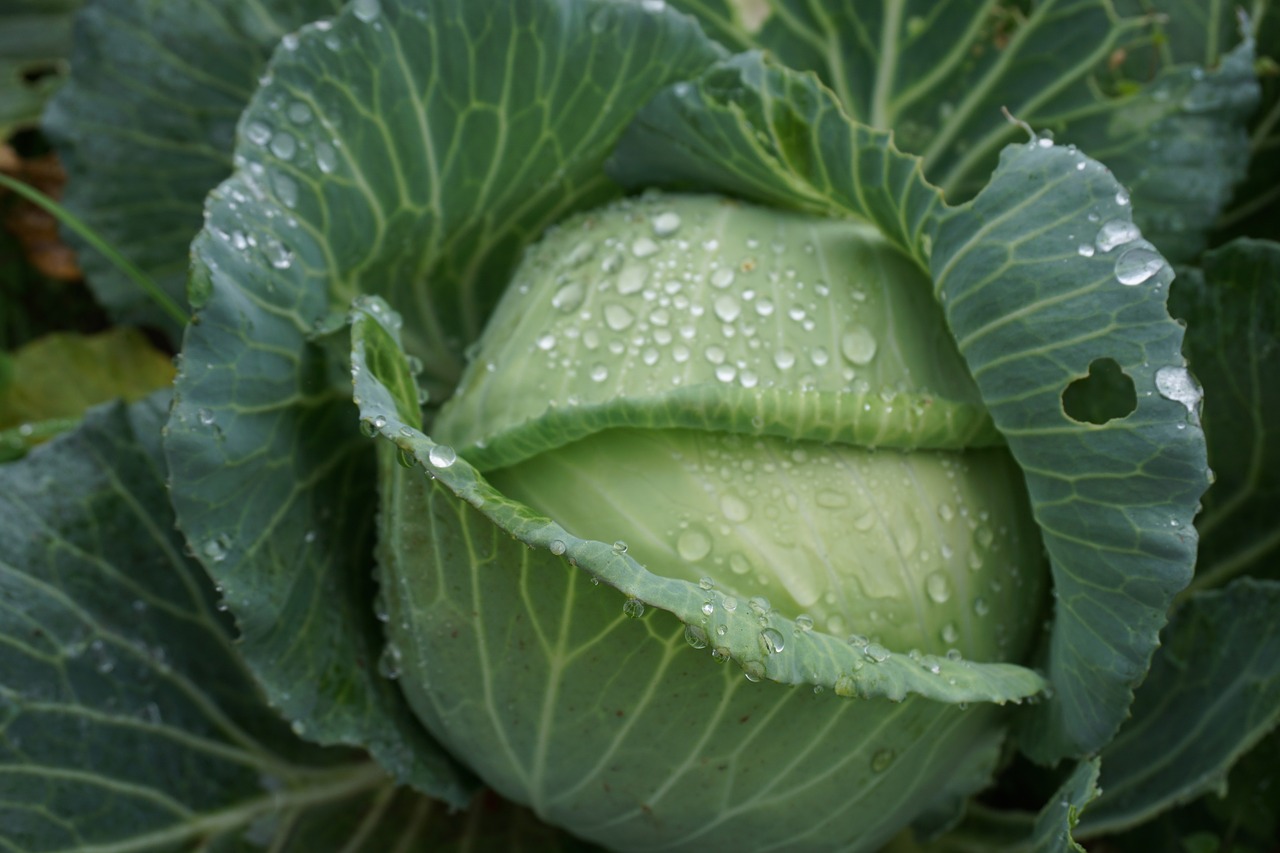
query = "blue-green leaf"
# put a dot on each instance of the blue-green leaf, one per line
(146, 123)
(1212, 694)
(410, 148)
(1045, 281)
(127, 719)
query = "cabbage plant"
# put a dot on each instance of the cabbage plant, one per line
(653, 425)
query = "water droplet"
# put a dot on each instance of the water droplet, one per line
(949, 633)
(557, 547)
(326, 157)
(279, 257)
(1137, 264)
(1085, 250)
(1115, 232)
(442, 456)
(693, 544)
(633, 608)
(257, 133)
(695, 636)
(772, 641)
(1177, 384)
(881, 760)
(299, 113)
(286, 188)
(980, 606)
(546, 342)
(389, 661)
(753, 670)
(632, 278)
(719, 654)
(858, 345)
(876, 653)
(666, 223)
(784, 359)
(619, 547)
(366, 10)
(735, 508)
(938, 586)
(216, 549)
(643, 247)
(722, 277)
(1122, 198)
(819, 356)
(727, 308)
(283, 145)
(599, 373)
(579, 253)
(618, 317)
(205, 416)
(568, 297)
(804, 623)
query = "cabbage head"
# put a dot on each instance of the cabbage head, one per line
(576, 405)
(762, 411)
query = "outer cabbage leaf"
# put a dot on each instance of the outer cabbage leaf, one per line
(1028, 277)
(146, 123)
(127, 719)
(986, 829)
(939, 74)
(1232, 306)
(1213, 693)
(1043, 276)
(1253, 208)
(408, 148)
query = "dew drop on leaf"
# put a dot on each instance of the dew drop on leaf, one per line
(1115, 232)
(881, 760)
(366, 10)
(1137, 264)
(1177, 384)
(858, 345)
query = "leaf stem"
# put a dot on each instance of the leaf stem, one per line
(349, 782)
(91, 237)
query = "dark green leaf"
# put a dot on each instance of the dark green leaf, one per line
(1213, 692)
(1254, 209)
(985, 829)
(1232, 308)
(939, 75)
(127, 719)
(146, 124)
(410, 148)
(1042, 276)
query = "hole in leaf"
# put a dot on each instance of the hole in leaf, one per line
(1105, 394)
